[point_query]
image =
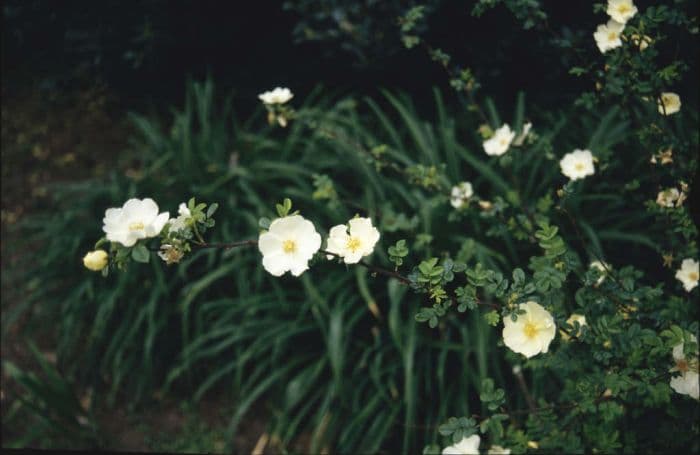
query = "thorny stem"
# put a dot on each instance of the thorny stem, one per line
(372, 268)
(470, 93)
(196, 233)
(377, 270)
(227, 246)
(523, 387)
(600, 260)
(530, 410)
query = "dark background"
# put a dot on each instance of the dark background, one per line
(145, 50)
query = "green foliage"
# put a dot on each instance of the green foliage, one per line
(284, 208)
(398, 252)
(50, 399)
(456, 429)
(369, 378)
(492, 398)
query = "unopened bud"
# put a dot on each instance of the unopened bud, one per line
(95, 260)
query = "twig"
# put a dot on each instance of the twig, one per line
(378, 270)
(523, 387)
(227, 246)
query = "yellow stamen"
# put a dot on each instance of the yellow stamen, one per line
(289, 246)
(530, 330)
(578, 166)
(353, 244)
(612, 36)
(136, 226)
(693, 276)
(622, 9)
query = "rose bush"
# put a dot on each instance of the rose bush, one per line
(553, 317)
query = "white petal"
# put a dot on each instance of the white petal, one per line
(157, 224)
(352, 258)
(269, 244)
(276, 264)
(299, 267)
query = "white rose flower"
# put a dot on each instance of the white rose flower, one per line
(137, 219)
(177, 224)
(498, 450)
(668, 197)
(182, 210)
(687, 383)
(96, 260)
(577, 164)
(358, 243)
(467, 446)
(523, 135)
(581, 319)
(621, 10)
(277, 96)
(460, 194)
(499, 143)
(602, 267)
(170, 254)
(289, 245)
(532, 332)
(670, 103)
(607, 36)
(688, 274)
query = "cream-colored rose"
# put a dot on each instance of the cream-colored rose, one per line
(355, 244)
(621, 10)
(289, 245)
(687, 383)
(499, 143)
(607, 36)
(460, 194)
(532, 333)
(670, 103)
(277, 96)
(688, 274)
(577, 164)
(137, 219)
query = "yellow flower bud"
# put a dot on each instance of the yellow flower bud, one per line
(95, 260)
(485, 205)
(533, 444)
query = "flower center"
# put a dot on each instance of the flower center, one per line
(579, 166)
(289, 246)
(682, 365)
(612, 36)
(622, 9)
(530, 330)
(693, 276)
(353, 244)
(137, 226)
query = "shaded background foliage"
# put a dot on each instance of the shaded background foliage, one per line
(217, 325)
(147, 50)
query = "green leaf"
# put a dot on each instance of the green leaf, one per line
(212, 209)
(264, 223)
(492, 318)
(140, 253)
